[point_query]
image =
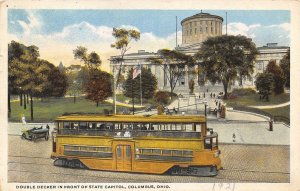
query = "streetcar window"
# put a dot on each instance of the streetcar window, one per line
(59, 125)
(92, 126)
(118, 151)
(152, 127)
(187, 153)
(66, 125)
(156, 151)
(166, 152)
(109, 126)
(82, 125)
(127, 126)
(128, 151)
(214, 142)
(74, 125)
(146, 151)
(117, 126)
(100, 126)
(144, 127)
(177, 153)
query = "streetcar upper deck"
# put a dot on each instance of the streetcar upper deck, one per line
(132, 126)
(133, 118)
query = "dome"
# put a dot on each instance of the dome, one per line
(199, 27)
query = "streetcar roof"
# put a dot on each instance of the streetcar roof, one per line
(133, 118)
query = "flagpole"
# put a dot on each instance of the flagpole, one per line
(141, 92)
(132, 92)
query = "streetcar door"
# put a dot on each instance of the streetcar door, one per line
(124, 158)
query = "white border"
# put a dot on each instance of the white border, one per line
(293, 6)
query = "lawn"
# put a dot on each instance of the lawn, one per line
(253, 100)
(280, 111)
(47, 110)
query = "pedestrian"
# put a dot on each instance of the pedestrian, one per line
(204, 95)
(47, 126)
(233, 137)
(207, 90)
(271, 125)
(23, 119)
(214, 95)
(216, 102)
(210, 95)
(219, 105)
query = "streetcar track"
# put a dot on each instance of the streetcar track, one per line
(240, 170)
(224, 169)
(29, 157)
(72, 174)
(228, 170)
(142, 180)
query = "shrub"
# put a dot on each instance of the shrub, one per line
(243, 92)
(162, 97)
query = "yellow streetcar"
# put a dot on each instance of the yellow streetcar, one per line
(179, 145)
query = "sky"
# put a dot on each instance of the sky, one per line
(58, 32)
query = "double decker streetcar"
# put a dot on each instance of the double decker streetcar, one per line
(179, 145)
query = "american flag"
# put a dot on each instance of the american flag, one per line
(137, 70)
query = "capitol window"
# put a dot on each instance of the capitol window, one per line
(260, 65)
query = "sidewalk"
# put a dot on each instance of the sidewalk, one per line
(110, 100)
(271, 106)
(238, 127)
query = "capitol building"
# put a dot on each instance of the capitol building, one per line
(195, 30)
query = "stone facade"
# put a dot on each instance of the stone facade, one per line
(195, 30)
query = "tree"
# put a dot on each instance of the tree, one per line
(74, 85)
(31, 80)
(148, 84)
(15, 51)
(173, 64)
(99, 86)
(285, 66)
(227, 58)
(31, 76)
(58, 82)
(91, 60)
(264, 84)
(278, 77)
(123, 38)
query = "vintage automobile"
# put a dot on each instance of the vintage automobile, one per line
(35, 133)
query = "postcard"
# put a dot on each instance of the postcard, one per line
(149, 95)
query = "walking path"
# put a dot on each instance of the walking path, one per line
(110, 100)
(271, 106)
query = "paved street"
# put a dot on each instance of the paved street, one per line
(30, 162)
